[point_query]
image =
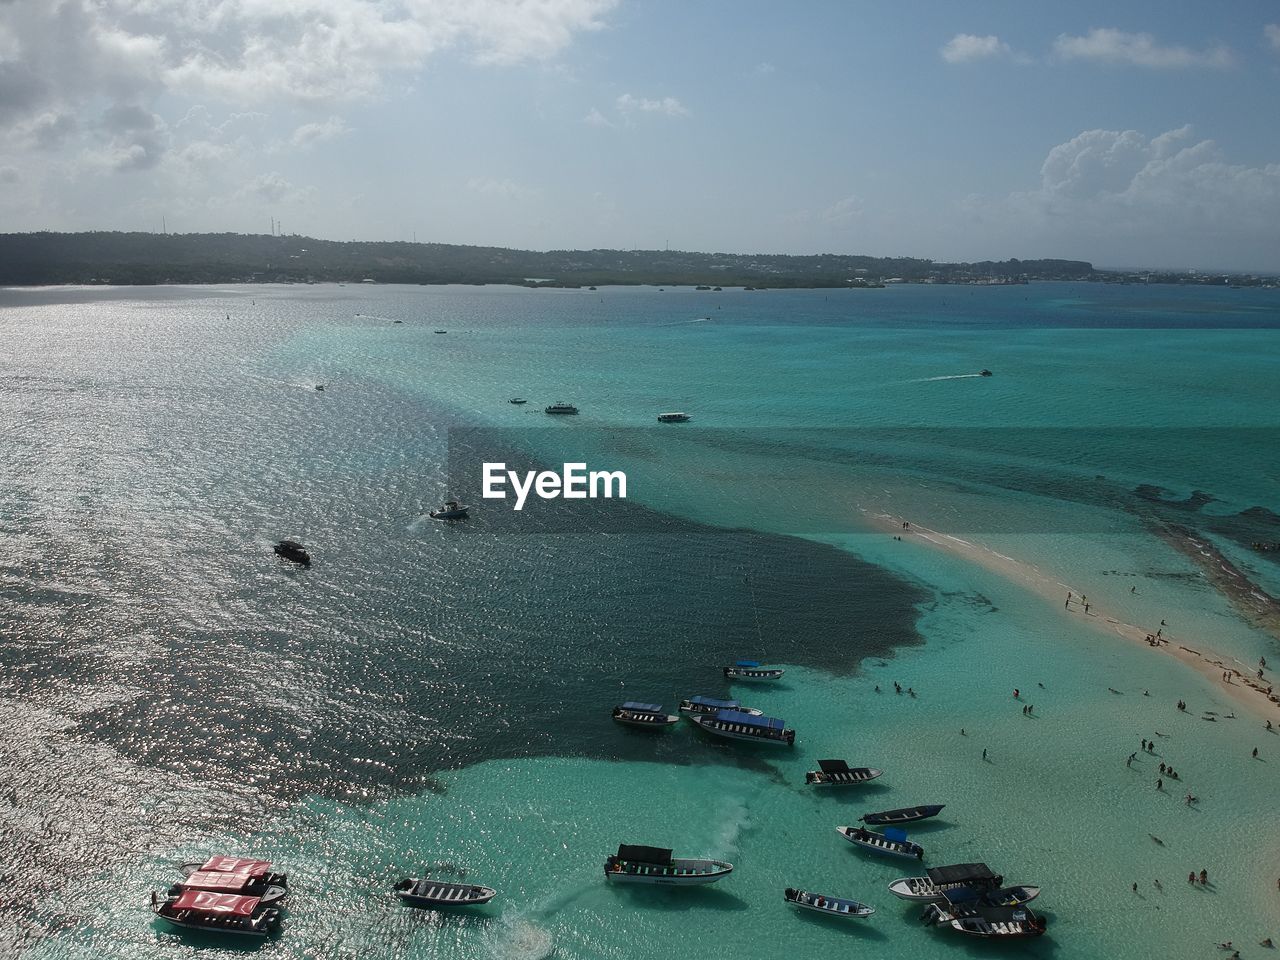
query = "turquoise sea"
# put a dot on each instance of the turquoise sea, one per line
(437, 696)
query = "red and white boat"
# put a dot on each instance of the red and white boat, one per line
(218, 913)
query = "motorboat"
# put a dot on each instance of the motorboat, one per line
(292, 551)
(751, 670)
(903, 814)
(222, 863)
(643, 715)
(518, 400)
(837, 773)
(892, 843)
(320, 387)
(674, 418)
(561, 408)
(426, 892)
(984, 921)
(450, 510)
(830, 906)
(939, 881)
(960, 899)
(739, 725)
(441, 331)
(241, 884)
(710, 705)
(218, 913)
(640, 864)
(985, 373)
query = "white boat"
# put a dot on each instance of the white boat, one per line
(710, 705)
(837, 773)
(639, 864)
(643, 715)
(674, 418)
(435, 893)
(561, 408)
(938, 881)
(830, 906)
(962, 901)
(891, 843)
(450, 510)
(737, 725)
(987, 921)
(752, 670)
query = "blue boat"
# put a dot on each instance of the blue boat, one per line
(751, 670)
(738, 725)
(710, 705)
(892, 843)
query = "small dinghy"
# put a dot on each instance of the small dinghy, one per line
(643, 715)
(939, 881)
(892, 843)
(435, 893)
(751, 670)
(450, 510)
(837, 773)
(903, 814)
(639, 864)
(709, 705)
(831, 906)
(292, 551)
(218, 913)
(518, 401)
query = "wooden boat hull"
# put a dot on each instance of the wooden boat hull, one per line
(741, 737)
(242, 930)
(832, 906)
(877, 844)
(903, 815)
(428, 895)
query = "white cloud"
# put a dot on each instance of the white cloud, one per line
(271, 187)
(312, 133)
(505, 189)
(844, 209)
(968, 47)
(1138, 49)
(669, 106)
(1169, 199)
(1272, 32)
(596, 119)
(765, 68)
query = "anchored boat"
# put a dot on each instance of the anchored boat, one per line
(240, 884)
(224, 864)
(837, 773)
(561, 408)
(983, 921)
(831, 906)
(434, 893)
(751, 670)
(892, 843)
(639, 864)
(939, 881)
(738, 725)
(710, 705)
(643, 715)
(218, 913)
(903, 814)
(674, 418)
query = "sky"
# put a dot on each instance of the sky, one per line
(1127, 134)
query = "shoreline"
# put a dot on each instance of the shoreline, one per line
(1211, 664)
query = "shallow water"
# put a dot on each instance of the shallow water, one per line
(432, 694)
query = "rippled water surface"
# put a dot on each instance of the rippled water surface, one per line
(435, 695)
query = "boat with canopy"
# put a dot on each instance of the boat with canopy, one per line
(218, 913)
(643, 715)
(634, 863)
(752, 670)
(938, 881)
(709, 705)
(737, 725)
(892, 843)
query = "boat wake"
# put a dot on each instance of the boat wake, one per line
(518, 938)
(954, 376)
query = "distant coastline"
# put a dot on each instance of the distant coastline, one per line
(115, 258)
